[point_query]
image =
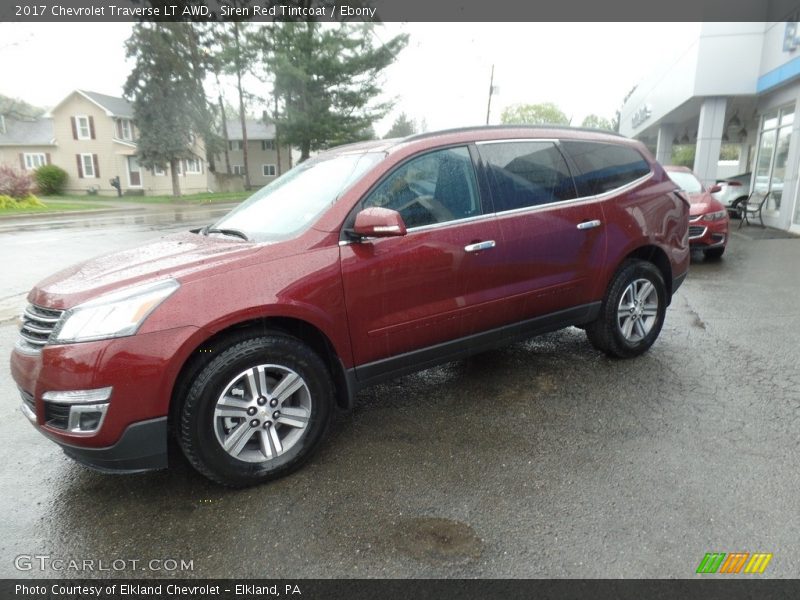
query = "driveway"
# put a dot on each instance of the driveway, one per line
(543, 459)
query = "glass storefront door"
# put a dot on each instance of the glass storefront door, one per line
(773, 152)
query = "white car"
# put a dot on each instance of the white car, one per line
(734, 190)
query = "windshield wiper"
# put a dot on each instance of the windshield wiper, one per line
(231, 232)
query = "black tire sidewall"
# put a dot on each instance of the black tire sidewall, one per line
(631, 272)
(197, 423)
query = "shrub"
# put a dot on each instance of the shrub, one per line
(50, 179)
(13, 183)
(29, 201)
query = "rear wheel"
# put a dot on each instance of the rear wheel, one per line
(256, 412)
(714, 252)
(632, 312)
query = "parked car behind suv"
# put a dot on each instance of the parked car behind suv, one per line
(733, 191)
(709, 223)
(366, 262)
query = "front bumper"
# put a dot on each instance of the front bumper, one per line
(141, 370)
(704, 235)
(142, 447)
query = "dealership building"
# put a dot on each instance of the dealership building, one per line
(736, 83)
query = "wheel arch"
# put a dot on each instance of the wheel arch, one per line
(655, 255)
(306, 332)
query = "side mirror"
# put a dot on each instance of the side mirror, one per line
(379, 222)
(714, 189)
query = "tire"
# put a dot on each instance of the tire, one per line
(239, 429)
(734, 210)
(616, 332)
(714, 252)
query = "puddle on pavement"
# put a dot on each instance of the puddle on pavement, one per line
(437, 540)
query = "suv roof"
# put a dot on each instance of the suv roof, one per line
(485, 133)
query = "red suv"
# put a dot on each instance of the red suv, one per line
(366, 262)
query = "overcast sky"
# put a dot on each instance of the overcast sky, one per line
(442, 76)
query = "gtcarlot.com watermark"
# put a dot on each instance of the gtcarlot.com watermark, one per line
(59, 564)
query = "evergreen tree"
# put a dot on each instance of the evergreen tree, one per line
(166, 87)
(402, 127)
(327, 79)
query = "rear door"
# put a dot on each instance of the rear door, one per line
(427, 287)
(551, 241)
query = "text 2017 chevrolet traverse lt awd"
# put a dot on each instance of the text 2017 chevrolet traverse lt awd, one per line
(364, 263)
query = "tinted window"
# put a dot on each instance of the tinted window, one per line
(526, 174)
(604, 167)
(434, 188)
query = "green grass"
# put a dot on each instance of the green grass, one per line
(54, 207)
(204, 198)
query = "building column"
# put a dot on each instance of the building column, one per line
(709, 139)
(666, 133)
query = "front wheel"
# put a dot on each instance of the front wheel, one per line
(632, 312)
(256, 412)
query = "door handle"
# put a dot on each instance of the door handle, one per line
(478, 246)
(590, 224)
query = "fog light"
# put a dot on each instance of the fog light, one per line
(86, 418)
(85, 409)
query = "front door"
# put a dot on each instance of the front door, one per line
(427, 287)
(134, 172)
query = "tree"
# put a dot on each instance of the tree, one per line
(18, 109)
(166, 86)
(402, 127)
(326, 79)
(546, 113)
(237, 54)
(683, 155)
(597, 122)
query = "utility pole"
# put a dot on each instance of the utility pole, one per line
(491, 89)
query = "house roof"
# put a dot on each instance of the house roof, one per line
(27, 133)
(118, 107)
(256, 130)
(113, 106)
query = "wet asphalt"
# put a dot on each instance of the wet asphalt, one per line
(542, 459)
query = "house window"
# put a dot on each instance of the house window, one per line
(193, 166)
(34, 160)
(268, 144)
(269, 170)
(238, 169)
(87, 166)
(235, 144)
(82, 127)
(126, 129)
(159, 171)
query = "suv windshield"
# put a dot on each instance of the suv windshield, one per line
(292, 202)
(686, 181)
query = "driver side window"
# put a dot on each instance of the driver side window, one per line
(436, 187)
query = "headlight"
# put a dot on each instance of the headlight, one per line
(715, 216)
(114, 315)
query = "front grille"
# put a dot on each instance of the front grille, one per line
(28, 400)
(37, 326)
(696, 231)
(56, 415)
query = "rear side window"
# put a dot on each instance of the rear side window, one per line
(524, 174)
(604, 167)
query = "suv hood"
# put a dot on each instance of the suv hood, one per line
(177, 256)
